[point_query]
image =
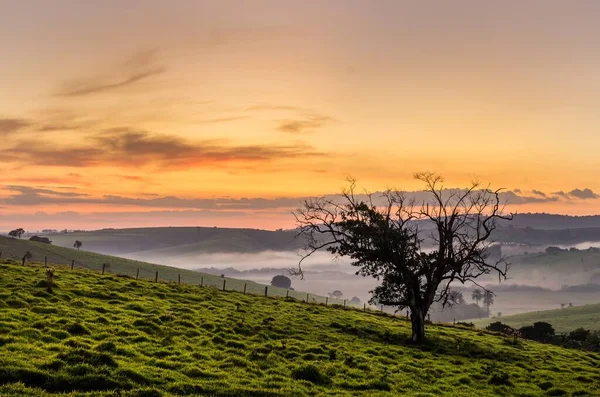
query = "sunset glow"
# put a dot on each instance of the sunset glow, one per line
(156, 113)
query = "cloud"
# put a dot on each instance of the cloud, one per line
(580, 194)
(139, 67)
(40, 196)
(222, 120)
(56, 127)
(277, 107)
(11, 125)
(132, 148)
(510, 197)
(561, 194)
(302, 126)
(583, 194)
(538, 192)
(27, 195)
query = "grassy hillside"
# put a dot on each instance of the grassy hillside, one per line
(97, 334)
(16, 248)
(563, 320)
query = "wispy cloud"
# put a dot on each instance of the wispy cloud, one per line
(140, 67)
(132, 148)
(12, 125)
(222, 120)
(304, 125)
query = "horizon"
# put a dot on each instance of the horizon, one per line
(228, 114)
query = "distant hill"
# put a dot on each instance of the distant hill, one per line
(530, 229)
(163, 240)
(563, 320)
(554, 221)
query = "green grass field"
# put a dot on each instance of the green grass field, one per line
(16, 248)
(563, 320)
(114, 336)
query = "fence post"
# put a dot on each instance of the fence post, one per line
(382, 308)
(179, 279)
(287, 294)
(156, 277)
(45, 261)
(202, 281)
(137, 274)
(365, 307)
(72, 264)
(344, 302)
(244, 288)
(223, 285)
(306, 298)
(326, 300)
(266, 289)
(103, 266)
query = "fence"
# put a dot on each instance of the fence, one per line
(159, 273)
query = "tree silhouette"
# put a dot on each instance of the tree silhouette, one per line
(488, 300)
(77, 244)
(477, 295)
(336, 294)
(382, 235)
(281, 282)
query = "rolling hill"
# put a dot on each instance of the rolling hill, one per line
(563, 320)
(104, 336)
(16, 248)
(186, 239)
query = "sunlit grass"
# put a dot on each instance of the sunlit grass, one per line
(96, 334)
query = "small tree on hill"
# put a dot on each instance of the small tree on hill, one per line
(355, 301)
(477, 295)
(77, 244)
(281, 282)
(16, 233)
(382, 235)
(336, 294)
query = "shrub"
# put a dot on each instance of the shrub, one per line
(556, 392)
(500, 378)
(499, 327)
(77, 329)
(310, 373)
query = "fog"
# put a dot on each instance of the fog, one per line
(324, 274)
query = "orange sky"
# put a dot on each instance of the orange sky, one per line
(106, 107)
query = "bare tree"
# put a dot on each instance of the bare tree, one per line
(383, 235)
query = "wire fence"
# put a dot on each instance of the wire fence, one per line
(182, 276)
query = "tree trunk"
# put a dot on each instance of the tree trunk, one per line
(417, 318)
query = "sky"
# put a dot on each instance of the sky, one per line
(156, 113)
